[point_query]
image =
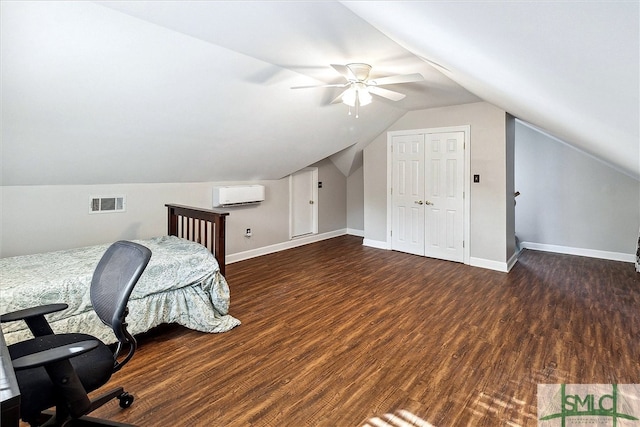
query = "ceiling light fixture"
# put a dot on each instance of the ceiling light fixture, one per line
(356, 96)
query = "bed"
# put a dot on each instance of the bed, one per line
(184, 282)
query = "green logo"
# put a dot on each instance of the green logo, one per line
(588, 404)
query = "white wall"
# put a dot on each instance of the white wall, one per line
(45, 218)
(491, 239)
(571, 202)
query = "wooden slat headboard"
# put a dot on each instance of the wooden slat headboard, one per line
(204, 226)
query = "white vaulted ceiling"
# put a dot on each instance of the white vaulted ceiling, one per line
(153, 91)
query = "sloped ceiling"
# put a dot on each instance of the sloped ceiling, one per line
(129, 92)
(570, 68)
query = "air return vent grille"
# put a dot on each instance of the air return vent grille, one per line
(107, 204)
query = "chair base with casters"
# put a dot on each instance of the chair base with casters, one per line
(58, 370)
(88, 355)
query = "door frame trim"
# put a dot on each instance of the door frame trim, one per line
(467, 183)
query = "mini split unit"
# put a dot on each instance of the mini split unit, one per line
(237, 195)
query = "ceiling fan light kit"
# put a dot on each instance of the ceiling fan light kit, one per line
(357, 94)
(359, 87)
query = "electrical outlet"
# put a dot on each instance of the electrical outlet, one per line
(248, 233)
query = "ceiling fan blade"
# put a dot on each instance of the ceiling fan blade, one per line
(391, 80)
(386, 93)
(313, 86)
(344, 71)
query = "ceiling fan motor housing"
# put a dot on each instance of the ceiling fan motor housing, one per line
(360, 71)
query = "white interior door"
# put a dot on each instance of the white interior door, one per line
(303, 190)
(427, 200)
(444, 196)
(408, 194)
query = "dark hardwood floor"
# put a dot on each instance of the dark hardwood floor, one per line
(335, 334)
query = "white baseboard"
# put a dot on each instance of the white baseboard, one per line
(503, 267)
(512, 261)
(355, 232)
(592, 253)
(475, 262)
(378, 244)
(241, 256)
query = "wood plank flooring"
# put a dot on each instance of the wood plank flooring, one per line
(335, 334)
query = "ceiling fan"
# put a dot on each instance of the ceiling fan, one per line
(359, 86)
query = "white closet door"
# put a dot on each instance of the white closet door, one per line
(408, 194)
(428, 194)
(444, 196)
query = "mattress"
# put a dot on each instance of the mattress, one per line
(181, 284)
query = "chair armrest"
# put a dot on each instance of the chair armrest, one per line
(28, 313)
(45, 357)
(34, 317)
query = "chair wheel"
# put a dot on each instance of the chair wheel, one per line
(125, 400)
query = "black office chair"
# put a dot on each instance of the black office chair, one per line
(60, 369)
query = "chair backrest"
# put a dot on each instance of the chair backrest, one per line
(113, 280)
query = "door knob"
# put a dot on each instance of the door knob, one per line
(418, 202)
(310, 202)
(428, 203)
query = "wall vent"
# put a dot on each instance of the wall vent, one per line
(107, 204)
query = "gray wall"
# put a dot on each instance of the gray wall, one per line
(355, 202)
(332, 211)
(571, 200)
(491, 239)
(45, 218)
(510, 189)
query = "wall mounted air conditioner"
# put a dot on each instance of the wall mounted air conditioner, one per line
(236, 195)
